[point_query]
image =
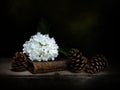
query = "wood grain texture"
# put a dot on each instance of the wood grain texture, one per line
(49, 66)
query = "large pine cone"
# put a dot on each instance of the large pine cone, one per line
(19, 62)
(77, 61)
(96, 64)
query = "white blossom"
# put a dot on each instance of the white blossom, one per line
(41, 47)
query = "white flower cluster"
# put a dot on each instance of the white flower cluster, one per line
(41, 47)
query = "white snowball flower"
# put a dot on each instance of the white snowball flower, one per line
(41, 47)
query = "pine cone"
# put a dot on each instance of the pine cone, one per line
(96, 64)
(19, 62)
(77, 61)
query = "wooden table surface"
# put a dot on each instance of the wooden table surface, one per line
(56, 80)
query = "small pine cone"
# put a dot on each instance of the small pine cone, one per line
(77, 61)
(19, 62)
(96, 64)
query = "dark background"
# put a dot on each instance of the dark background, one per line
(87, 25)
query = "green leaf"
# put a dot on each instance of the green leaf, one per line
(43, 26)
(63, 51)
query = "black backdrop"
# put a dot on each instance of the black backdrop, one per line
(88, 25)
